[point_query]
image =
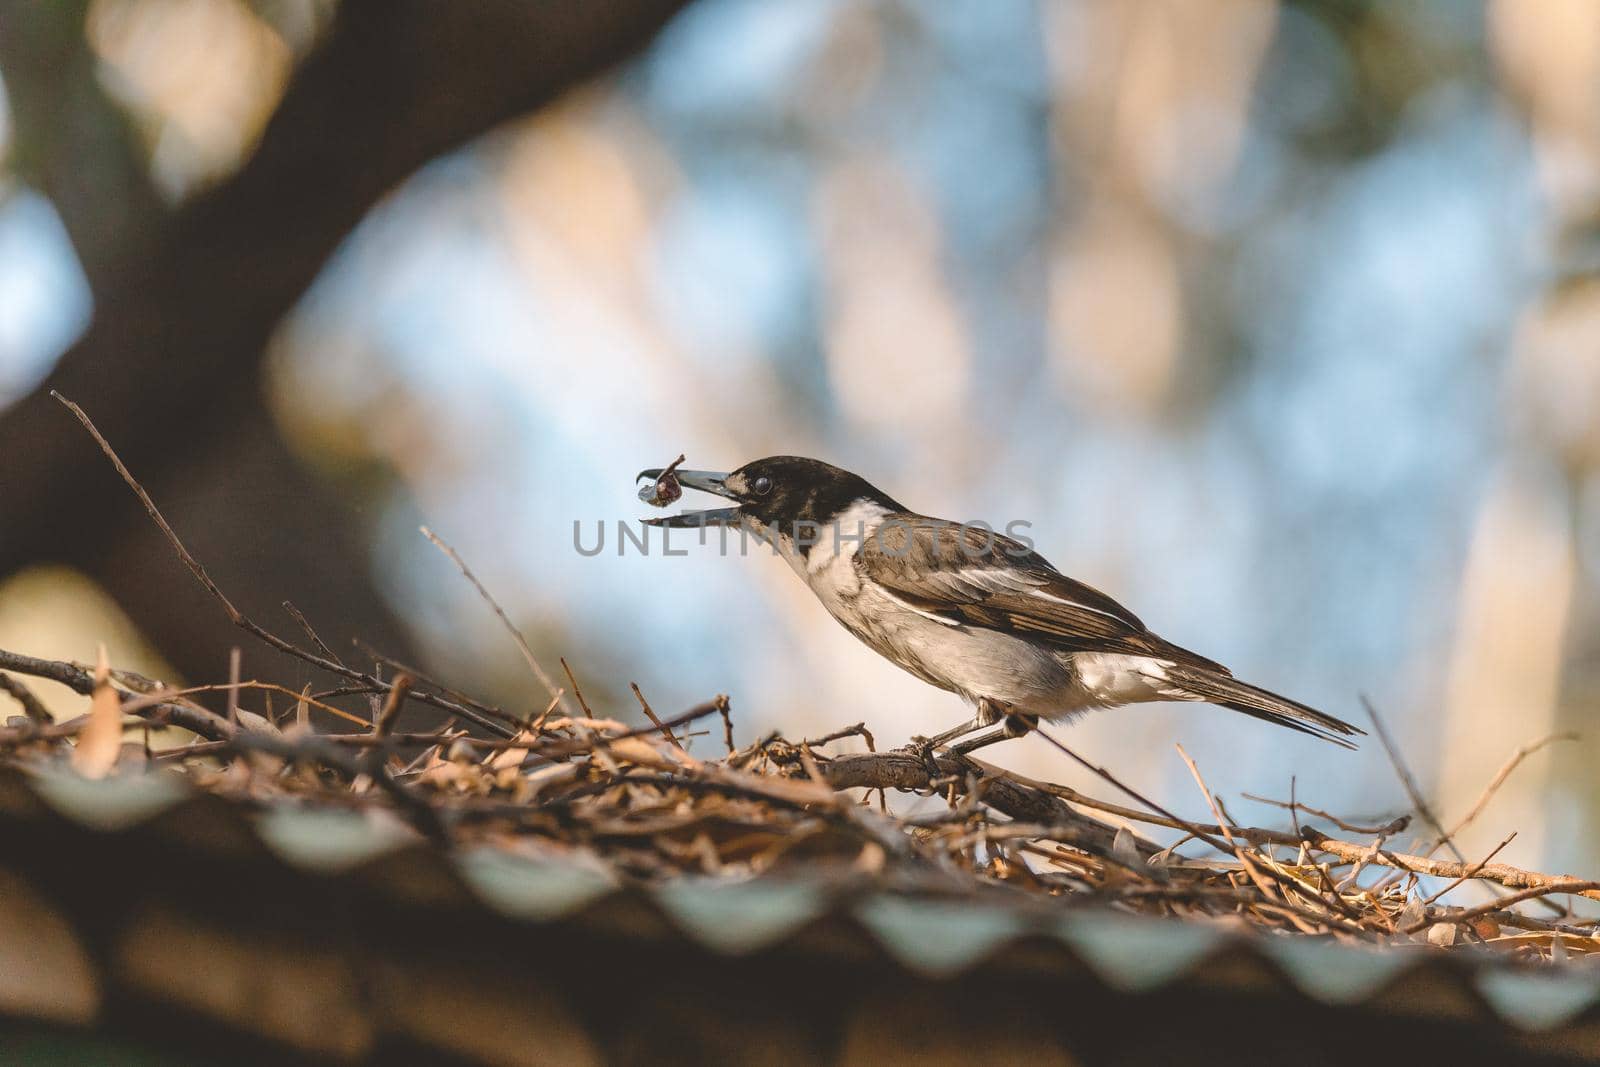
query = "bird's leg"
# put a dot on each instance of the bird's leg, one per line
(989, 713)
(1016, 724)
(922, 747)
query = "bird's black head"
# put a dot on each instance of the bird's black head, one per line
(777, 492)
(785, 489)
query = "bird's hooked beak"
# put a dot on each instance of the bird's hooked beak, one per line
(706, 482)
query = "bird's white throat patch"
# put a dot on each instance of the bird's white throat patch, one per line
(843, 537)
(822, 554)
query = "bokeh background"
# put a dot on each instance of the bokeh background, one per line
(1279, 321)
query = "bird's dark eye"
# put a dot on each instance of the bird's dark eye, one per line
(762, 485)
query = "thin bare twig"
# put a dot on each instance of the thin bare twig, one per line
(1406, 779)
(1576, 886)
(727, 726)
(1388, 829)
(32, 707)
(165, 695)
(577, 693)
(237, 617)
(552, 747)
(1208, 835)
(1499, 873)
(391, 707)
(516, 635)
(1467, 875)
(234, 667)
(1216, 812)
(858, 730)
(311, 633)
(1499, 780)
(1291, 888)
(420, 677)
(650, 714)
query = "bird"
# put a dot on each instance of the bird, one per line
(963, 607)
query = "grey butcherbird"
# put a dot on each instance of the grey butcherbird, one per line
(968, 609)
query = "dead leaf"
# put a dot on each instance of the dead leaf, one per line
(1409, 915)
(555, 774)
(252, 723)
(100, 740)
(639, 751)
(562, 722)
(871, 859)
(513, 757)
(1126, 848)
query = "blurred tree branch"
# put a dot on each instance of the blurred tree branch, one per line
(185, 302)
(69, 140)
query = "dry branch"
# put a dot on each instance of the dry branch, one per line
(237, 617)
(638, 800)
(1499, 780)
(31, 706)
(191, 717)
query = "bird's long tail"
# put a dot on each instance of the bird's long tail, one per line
(1227, 691)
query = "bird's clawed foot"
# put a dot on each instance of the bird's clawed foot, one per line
(989, 712)
(922, 748)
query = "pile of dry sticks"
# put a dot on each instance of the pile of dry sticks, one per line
(567, 781)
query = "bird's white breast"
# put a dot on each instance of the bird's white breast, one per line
(828, 566)
(937, 650)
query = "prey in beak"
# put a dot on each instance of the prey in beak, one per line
(664, 489)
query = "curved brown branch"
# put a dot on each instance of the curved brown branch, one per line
(209, 725)
(31, 707)
(1501, 873)
(906, 772)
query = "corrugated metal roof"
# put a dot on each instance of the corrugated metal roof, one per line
(270, 920)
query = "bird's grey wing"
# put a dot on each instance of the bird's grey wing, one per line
(973, 577)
